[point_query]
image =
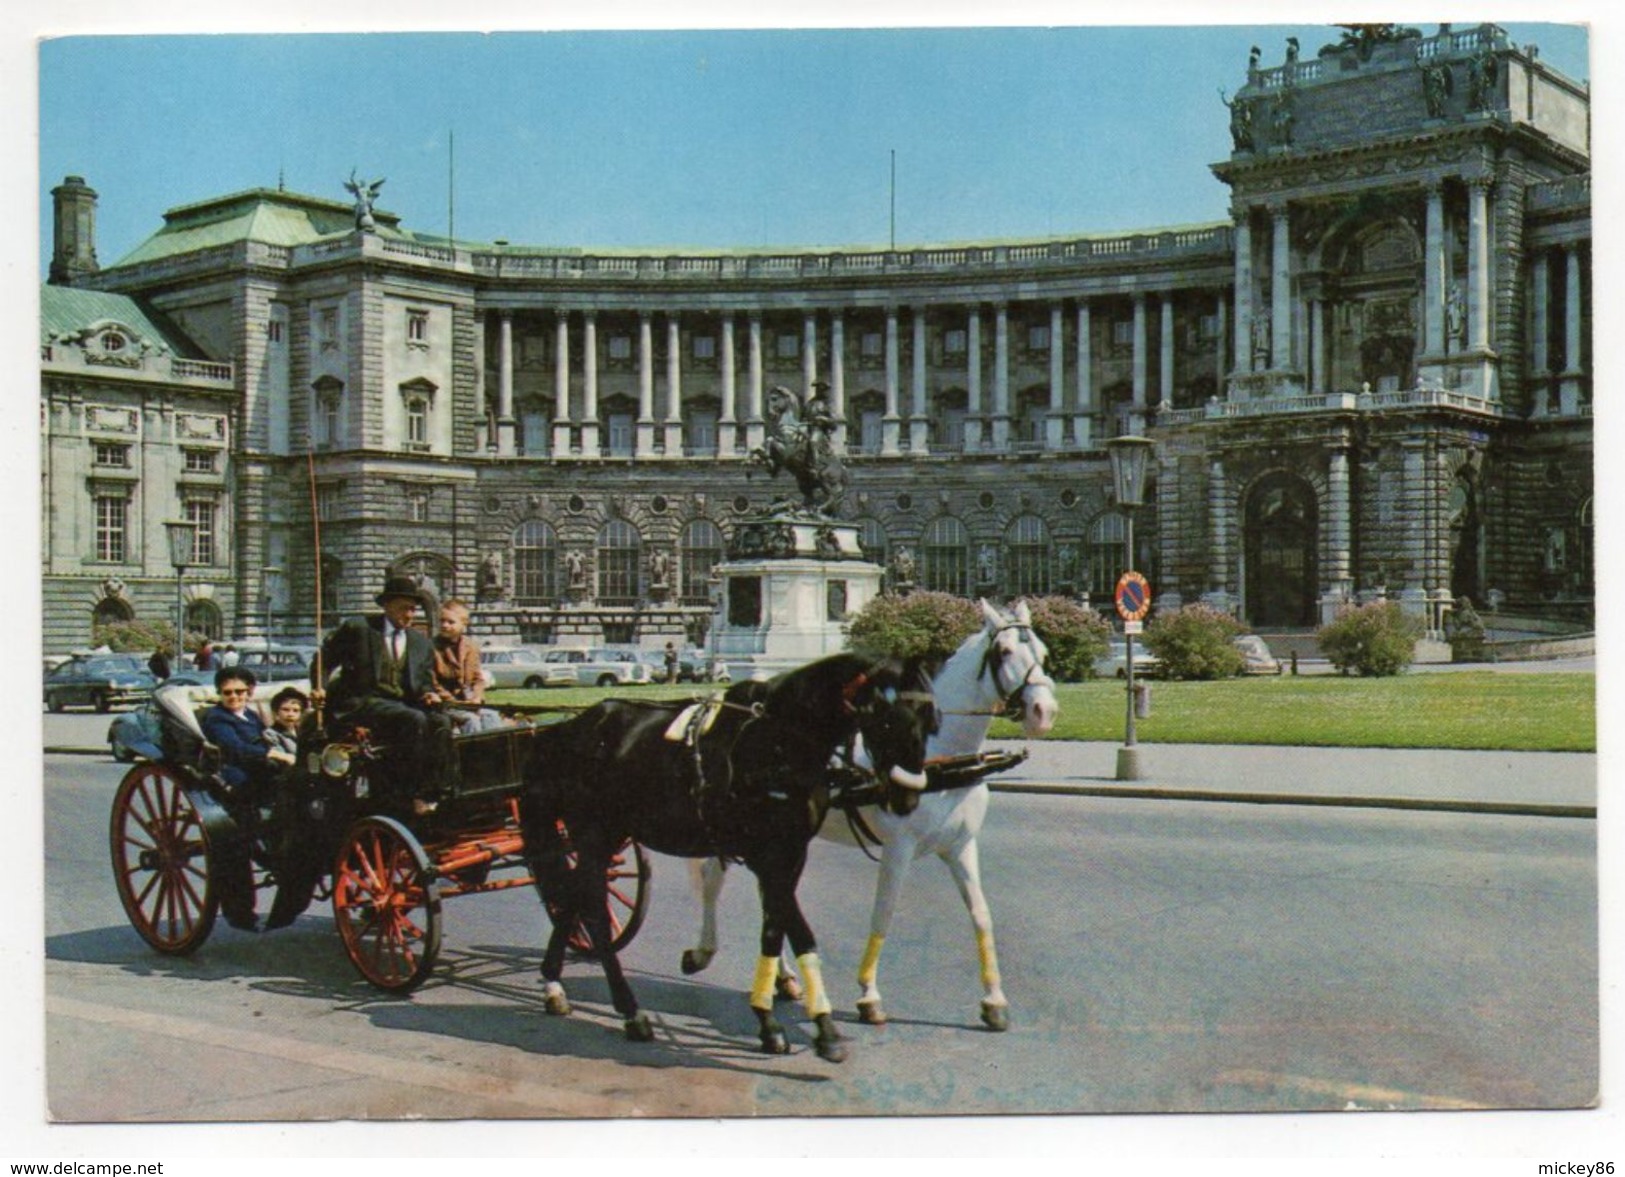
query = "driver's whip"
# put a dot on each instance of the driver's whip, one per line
(316, 536)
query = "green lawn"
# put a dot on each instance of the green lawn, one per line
(1458, 709)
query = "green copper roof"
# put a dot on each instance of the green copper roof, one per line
(67, 310)
(266, 215)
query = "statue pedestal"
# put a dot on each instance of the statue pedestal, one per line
(789, 584)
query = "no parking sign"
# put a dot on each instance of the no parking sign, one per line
(1133, 596)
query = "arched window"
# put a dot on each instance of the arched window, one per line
(1106, 538)
(1027, 557)
(535, 563)
(203, 618)
(874, 541)
(701, 551)
(619, 548)
(946, 556)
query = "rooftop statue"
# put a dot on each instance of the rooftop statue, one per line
(798, 440)
(365, 193)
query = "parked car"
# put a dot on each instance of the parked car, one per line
(601, 667)
(278, 664)
(1256, 655)
(1114, 663)
(517, 666)
(103, 681)
(692, 665)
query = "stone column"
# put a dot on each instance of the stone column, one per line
(674, 386)
(1570, 388)
(809, 352)
(973, 380)
(1001, 378)
(1055, 419)
(754, 429)
(1083, 423)
(1435, 276)
(919, 424)
(1414, 522)
(1317, 346)
(505, 421)
(1339, 524)
(1540, 314)
(589, 384)
(1244, 296)
(728, 425)
(1478, 266)
(891, 423)
(1281, 290)
(646, 387)
(1141, 363)
(1218, 537)
(1165, 376)
(837, 379)
(561, 384)
(1221, 312)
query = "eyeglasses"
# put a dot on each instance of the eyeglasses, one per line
(229, 691)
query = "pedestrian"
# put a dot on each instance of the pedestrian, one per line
(158, 664)
(228, 655)
(671, 662)
(205, 658)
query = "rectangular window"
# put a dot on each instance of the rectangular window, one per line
(199, 461)
(1038, 337)
(872, 345)
(705, 347)
(273, 330)
(702, 431)
(620, 434)
(110, 454)
(417, 422)
(787, 346)
(1123, 333)
(111, 512)
(954, 342)
(417, 327)
(200, 513)
(327, 328)
(417, 506)
(620, 347)
(1209, 327)
(327, 503)
(869, 431)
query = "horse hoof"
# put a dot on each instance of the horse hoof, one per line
(639, 1029)
(775, 1043)
(996, 1017)
(787, 989)
(870, 1013)
(694, 961)
(557, 1004)
(831, 1050)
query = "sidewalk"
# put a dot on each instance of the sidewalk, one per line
(1556, 784)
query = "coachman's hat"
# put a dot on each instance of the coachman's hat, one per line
(400, 586)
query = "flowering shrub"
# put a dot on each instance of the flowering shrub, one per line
(1375, 639)
(920, 625)
(1194, 642)
(1076, 636)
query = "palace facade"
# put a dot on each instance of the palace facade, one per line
(1372, 378)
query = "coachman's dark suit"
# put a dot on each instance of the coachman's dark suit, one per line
(376, 691)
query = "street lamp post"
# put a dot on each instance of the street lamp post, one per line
(270, 580)
(1130, 457)
(182, 535)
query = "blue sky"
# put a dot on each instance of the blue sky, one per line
(672, 138)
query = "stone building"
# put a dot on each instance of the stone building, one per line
(1373, 378)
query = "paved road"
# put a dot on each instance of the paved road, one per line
(1161, 955)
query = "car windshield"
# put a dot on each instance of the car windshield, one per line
(113, 666)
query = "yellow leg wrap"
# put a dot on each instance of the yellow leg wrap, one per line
(761, 989)
(989, 957)
(812, 976)
(871, 961)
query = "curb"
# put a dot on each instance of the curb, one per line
(1500, 808)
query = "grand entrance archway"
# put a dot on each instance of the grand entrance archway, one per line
(1281, 524)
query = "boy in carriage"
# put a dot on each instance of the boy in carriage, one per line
(382, 679)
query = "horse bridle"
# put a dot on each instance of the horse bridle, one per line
(993, 658)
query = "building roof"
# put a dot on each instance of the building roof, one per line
(67, 311)
(270, 216)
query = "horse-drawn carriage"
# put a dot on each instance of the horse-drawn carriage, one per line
(182, 840)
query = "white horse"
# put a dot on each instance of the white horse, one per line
(998, 669)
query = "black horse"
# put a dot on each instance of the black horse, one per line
(744, 778)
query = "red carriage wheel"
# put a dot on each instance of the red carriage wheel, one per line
(161, 861)
(630, 879)
(386, 904)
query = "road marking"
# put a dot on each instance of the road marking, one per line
(536, 1097)
(1360, 1094)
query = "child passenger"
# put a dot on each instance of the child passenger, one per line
(287, 709)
